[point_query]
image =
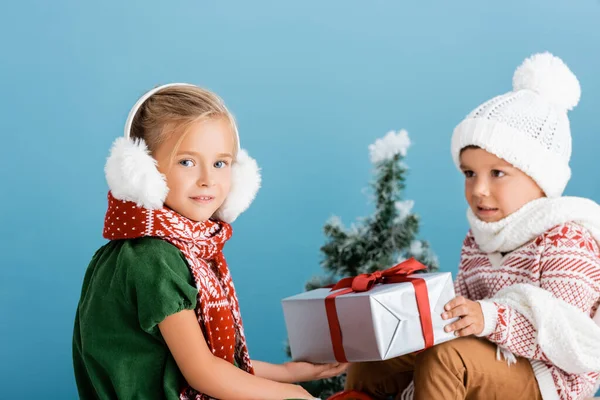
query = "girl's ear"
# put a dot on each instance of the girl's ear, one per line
(132, 175)
(245, 182)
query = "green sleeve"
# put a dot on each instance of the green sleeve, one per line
(159, 281)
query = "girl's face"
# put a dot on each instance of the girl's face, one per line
(199, 173)
(494, 188)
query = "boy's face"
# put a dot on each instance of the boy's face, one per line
(494, 188)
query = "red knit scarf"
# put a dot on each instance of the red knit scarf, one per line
(201, 243)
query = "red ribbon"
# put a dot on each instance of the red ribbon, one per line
(365, 282)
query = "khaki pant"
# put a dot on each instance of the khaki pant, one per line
(464, 368)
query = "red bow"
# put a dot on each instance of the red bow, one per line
(365, 282)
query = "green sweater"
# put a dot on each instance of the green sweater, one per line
(129, 287)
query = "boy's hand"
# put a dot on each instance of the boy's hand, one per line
(304, 371)
(470, 314)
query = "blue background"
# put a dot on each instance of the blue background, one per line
(312, 84)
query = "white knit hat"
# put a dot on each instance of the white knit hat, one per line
(528, 127)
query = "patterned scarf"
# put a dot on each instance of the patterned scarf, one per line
(201, 243)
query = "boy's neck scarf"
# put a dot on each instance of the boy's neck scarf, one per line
(201, 243)
(532, 220)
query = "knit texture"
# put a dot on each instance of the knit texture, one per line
(528, 126)
(533, 219)
(201, 243)
(565, 261)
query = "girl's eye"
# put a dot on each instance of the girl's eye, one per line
(220, 164)
(469, 174)
(497, 173)
(186, 163)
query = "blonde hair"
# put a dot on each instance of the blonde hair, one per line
(175, 109)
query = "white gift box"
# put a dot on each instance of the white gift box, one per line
(377, 324)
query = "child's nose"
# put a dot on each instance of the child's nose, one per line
(481, 188)
(207, 177)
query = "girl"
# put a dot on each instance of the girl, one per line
(158, 315)
(529, 274)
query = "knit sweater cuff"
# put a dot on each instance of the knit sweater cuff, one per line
(490, 315)
(545, 381)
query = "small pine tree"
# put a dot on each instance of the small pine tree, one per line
(376, 242)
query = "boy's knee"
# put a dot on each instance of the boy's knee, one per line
(449, 354)
(381, 377)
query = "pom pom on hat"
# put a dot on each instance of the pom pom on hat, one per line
(548, 76)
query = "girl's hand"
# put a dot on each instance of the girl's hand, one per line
(304, 371)
(471, 317)
(213, 375)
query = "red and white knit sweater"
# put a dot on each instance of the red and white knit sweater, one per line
(564, 260)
